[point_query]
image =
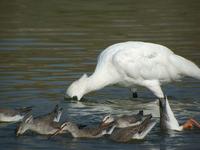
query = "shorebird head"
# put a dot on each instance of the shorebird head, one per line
(24, 125)
(66, 126)
(108, 119)
(78, 88)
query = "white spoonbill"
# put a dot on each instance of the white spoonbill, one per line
(134, 63)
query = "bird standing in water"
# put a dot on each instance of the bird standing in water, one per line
(85, 132)
(138, 132)
(124, 120)
(134, 63)
(13, 115)
(46, 124)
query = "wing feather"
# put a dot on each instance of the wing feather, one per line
(144, 64)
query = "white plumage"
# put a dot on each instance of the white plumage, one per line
(135, 63)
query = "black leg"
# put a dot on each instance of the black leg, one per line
(135, 95)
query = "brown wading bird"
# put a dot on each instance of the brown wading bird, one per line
(125, 120)
(85, 132)
(126, 134)
(45, 124)
(168, 120)
(137, 132)
(13, 115)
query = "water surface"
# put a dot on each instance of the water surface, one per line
(45, 45)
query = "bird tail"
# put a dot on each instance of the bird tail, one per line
(145, 123)
(148, 128)
(145, 127)
(57, 113)
(185, 67)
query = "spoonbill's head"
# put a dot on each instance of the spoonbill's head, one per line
(78, 88)
(24, 125)
(107, 120)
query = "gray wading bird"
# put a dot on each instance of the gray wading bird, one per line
(13, 115)
(124, 120)
(136, 132)
(46, 124)
(83, 132)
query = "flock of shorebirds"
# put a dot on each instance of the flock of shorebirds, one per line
(121, 129)
(127, 64)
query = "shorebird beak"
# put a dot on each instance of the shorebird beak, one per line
(190, 123)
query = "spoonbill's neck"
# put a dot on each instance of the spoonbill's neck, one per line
(97, 82)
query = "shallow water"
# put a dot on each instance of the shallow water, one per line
(45, 45)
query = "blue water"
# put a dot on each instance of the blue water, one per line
(46, 45)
